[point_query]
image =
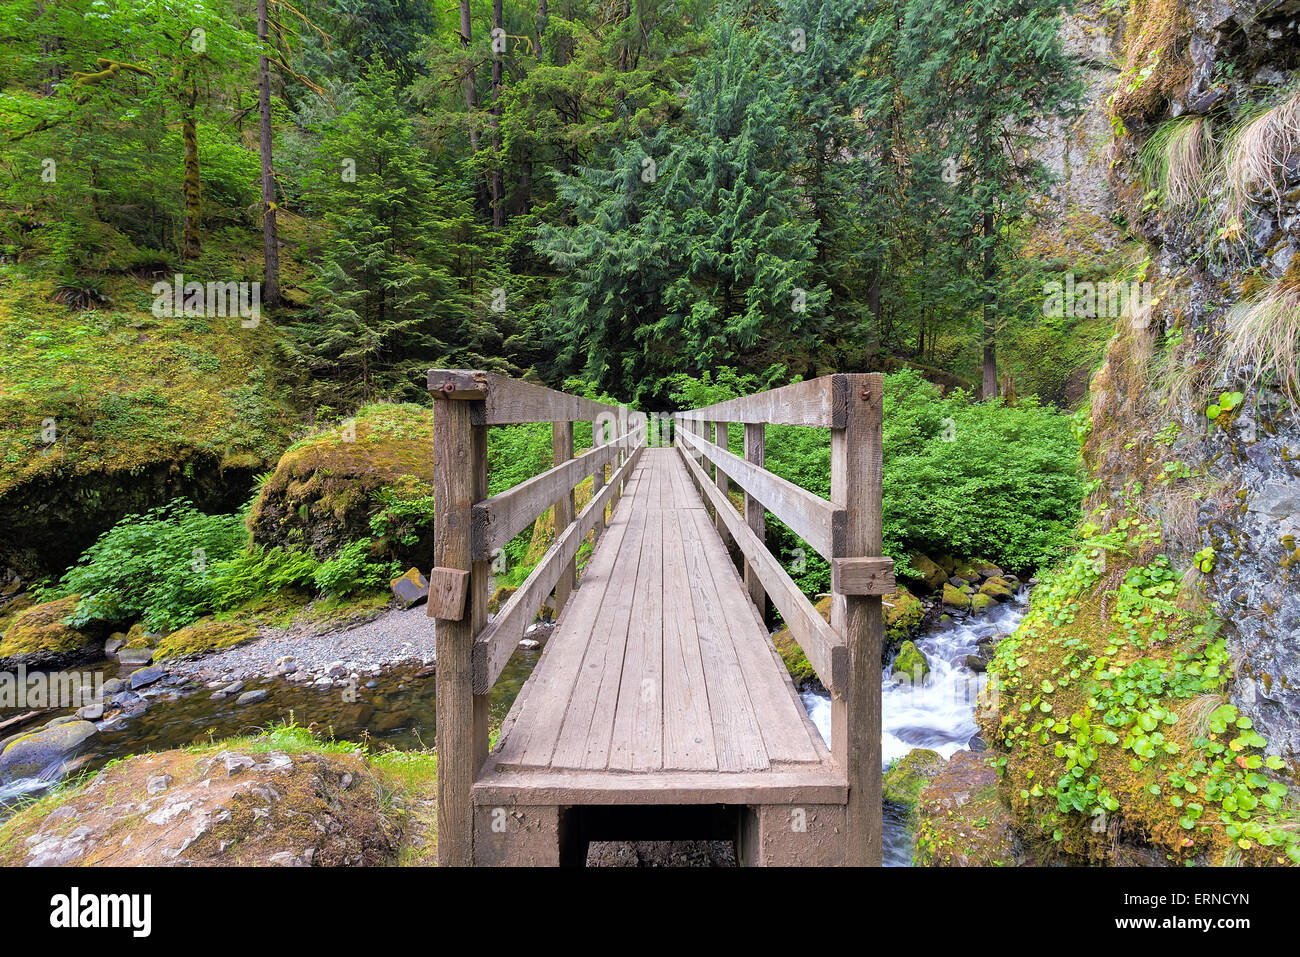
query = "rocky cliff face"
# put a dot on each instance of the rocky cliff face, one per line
(1191, 141)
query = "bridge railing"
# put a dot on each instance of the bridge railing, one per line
(846, 530)
(471, 527)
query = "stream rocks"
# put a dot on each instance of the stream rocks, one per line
(960, 818)
(28, 755)
(213, 807)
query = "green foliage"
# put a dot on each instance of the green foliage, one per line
(258, 571)
(154, 567)
(350, 572)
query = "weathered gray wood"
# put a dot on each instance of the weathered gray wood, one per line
(636, 742)
(688, 729)
(562, 448)
(509, 401)
(720, 477)
(824, 649)
(800, 784)
(493, 648)
(448, 589)
(818, 402)
(811, 517)
(503, 516)
(862, 576)
(755, 519)
(599, 476)
(855, 704)
(456, 461)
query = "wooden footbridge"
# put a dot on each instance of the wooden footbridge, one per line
(659, 708)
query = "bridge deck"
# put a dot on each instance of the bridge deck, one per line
(660, 683)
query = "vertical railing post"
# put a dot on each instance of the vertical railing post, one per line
(755, 453)
(460, 474)
(599, 438)
(562, 447)
(855, 708)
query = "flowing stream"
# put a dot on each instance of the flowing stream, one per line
(939, 714)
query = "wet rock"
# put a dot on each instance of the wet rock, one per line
(115, 643)
(91, 712)
(410, 588)
(980, 602)
(910, 664)
(976, 664)
(252, 697)
(529, 644)
(112, 687)
(998, 589)
(955, 598)
(30, 754)
(906, 777)
(135, 656)
(933, 577)
(145, 677)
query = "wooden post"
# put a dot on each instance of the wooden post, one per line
(460, 474)
(562, 447)
(755, 452)
(855, 708)
(598, 439)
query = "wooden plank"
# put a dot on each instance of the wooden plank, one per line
(855, 704)
(755, 518)
(509, 401)
(736, 735)
(824, 649)
(862, 576)
(798, 785)
(637, 740)
(599, 476)
(562, 450)
(503, 516)
(545, 695)
(456, 460)
(496, 643)
(688, 727)
(779, 712)
(720, 476)
(448, 588)
(811, 517)
(602, 664)
(816, 402)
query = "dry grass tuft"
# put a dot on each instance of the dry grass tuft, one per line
(1257, 153)
(1176, 161)
(1265, 337)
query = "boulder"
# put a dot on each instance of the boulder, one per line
(203, 637)
(499, 598)
(976, 664)
(979, 601)
(910, 664)
(998, 589)
(907, 776)
(145, 677)
(135, 656)
(987, 570)
(903, 615)
(960, 818)
(955, 598)
(410, 588)
(252, 697)
(933, 577)
(30, 754)
(39, 638)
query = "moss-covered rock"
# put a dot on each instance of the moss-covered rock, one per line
(903, 615)
(932, 574)
(370, 478)
(905, 778)
(40, 638)
(910, 664)
(499, 598)
(960, 818)
(955, 598)
(998, 589)
(980, 602)
(796, 662)
(30, 754)
(203, 637)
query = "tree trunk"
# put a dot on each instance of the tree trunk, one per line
(498, 187)
(189, 95)
(270, 239)
(471, 97)
(542, 14)
(989, 385)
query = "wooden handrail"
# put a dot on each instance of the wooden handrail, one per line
(817, 402)
(509, 401)
(809, 516)
(503, 516)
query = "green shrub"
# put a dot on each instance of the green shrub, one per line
(258, 571)
(154, 567)
(350, 572)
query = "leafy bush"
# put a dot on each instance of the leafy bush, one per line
(258, 571)
(351, 571)
(154, 567)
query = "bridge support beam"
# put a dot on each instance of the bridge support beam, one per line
(789, 835)
(562, 449)
(756, 453)
(855, 707)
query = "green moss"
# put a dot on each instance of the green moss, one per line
(955, 597)
(904, 779)
(910, 662)
(903, 615)
(998, 588)
(203, 637)
(42, 630)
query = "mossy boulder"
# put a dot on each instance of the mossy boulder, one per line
(932, 574)
(137, 637)
(203, 637)
(27, 755)
(955, 598)
(980, 601)
(905, 778)
(960, 818)
(40, 638)
(998, 589)
(965, 571)
(903, 615)
(369, 478)
(499, 598)
(910, 664)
